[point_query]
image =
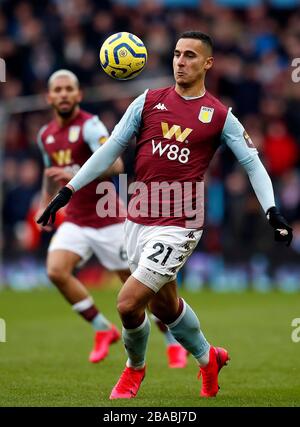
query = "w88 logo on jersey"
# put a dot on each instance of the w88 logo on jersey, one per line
(172, 151)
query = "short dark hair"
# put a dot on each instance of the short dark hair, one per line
(204, 38)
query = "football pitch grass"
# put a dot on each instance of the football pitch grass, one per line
(44, 361)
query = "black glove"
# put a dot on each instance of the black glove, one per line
(60, 200)
(282, 231)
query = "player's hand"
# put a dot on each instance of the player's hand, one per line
(60, 200)
(48, 227)
(58, 175)
(282, 231)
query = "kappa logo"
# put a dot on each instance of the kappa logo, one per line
(50, 139)
(161, 107)
(180, 135)
(74, 133)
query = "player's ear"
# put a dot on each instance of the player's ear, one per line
(208, 63)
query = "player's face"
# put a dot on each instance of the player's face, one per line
(192, 59)
(64, 95)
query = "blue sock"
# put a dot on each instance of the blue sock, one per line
(170, 339)
(135, 341)
(87, 309)
(186, 330)
(100, 323)
(164, 330)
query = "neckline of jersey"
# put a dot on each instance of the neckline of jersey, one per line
(190, 98)
(68, 124)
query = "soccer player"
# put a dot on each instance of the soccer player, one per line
(178, 130)
(66, 143)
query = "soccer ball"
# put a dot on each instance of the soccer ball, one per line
(123, 56)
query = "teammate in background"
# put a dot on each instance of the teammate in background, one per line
(178, 130)
(66, 143)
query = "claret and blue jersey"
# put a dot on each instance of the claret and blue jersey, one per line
(69, 147)
(176, 139)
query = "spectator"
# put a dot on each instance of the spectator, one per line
(280, 149)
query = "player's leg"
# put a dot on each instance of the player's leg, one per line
(137, 294)
(123, 274)
(182, 322)
(108, 246)
(163, 255)
(69, 247)
(133, 299)
(176, 354)
(185, 327)
(60, 266)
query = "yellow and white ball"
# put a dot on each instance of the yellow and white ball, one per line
(123, 56)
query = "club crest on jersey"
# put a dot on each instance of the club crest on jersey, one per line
(206, 114)
(74, 132)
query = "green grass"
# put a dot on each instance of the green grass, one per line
(44, 361)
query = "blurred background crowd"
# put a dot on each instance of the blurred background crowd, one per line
(255, 44)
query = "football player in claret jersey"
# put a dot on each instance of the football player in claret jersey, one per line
(66, 143)
(178, 130)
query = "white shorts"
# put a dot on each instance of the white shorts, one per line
(106, 243)
(161, 249)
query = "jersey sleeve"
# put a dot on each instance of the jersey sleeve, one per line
(94, 133)
(237, 139)
(107, 154)
(130, 123)
(45, 156)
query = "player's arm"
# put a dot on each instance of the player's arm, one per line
(107, 154)
(95, 134)
(115, 169)
(49, 188)
(101, 160)
(49, 185)
(237, 139)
